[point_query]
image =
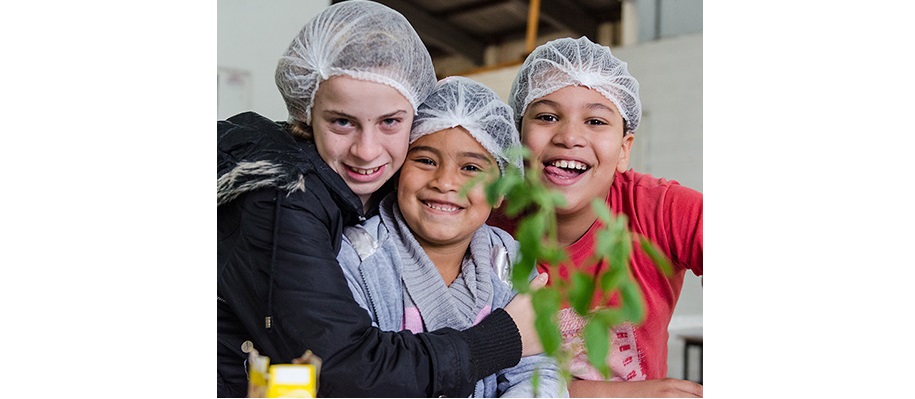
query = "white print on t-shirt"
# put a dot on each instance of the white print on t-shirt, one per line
(623, 356)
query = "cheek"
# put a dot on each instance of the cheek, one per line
(325, 149)
(477, 196)
(330, 143)
(535, 139)
(408, 182)
(397, 149)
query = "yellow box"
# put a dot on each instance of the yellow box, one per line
(292, 381)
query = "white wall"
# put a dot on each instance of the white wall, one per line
(659, 19)
(251, 37)
(668, 142)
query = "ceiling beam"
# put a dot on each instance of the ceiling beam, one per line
(565, 14)
(438, 32)
(482, 5)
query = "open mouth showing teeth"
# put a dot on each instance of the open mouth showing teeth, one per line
(573, 165)
(441, 207)
(566, 167)
(364, 171)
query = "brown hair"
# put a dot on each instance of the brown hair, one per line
(299, 129)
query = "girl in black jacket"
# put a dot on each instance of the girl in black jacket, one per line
(285, 192)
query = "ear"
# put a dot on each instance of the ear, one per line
(625, 152)
(498, 202)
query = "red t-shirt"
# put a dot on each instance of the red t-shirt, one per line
(671, 216)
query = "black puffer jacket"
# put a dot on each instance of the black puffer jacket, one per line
(281, 212)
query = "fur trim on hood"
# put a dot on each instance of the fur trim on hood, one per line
(250, 176)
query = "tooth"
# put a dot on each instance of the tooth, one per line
(563, 164)
(365, 171)
(442, 208)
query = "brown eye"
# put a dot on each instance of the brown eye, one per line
(547, 118)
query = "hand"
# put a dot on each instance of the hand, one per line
(522, 312)
(660, 388)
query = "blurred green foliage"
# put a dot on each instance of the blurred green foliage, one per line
(534, 206)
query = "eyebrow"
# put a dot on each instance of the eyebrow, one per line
(554, 104)
(549, 103)
(338, 114)
(393, 114)
(601, 106)
(348, 116)
(467, 154)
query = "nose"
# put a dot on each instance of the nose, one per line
(569, 135)
(446, 179)
(367, 146)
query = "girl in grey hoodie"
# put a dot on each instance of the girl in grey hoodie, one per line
(428, 260)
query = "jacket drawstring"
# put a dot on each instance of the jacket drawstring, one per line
(268, 320)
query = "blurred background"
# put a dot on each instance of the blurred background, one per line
(487, 40)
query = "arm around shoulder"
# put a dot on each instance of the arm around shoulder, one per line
(311, 306)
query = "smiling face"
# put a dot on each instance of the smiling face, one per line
(438, 165)
(576, 137)
(362, 131)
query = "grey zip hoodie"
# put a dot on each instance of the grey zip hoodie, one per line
(392, 279)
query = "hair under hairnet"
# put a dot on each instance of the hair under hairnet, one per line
(360, 39)
(570, 62)
(459, 101)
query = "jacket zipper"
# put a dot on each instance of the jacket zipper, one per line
(368, 293)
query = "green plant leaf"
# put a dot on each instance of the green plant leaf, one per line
(536, 233)
(531, 229)
(516, 203)
(494, 191)
(476, 180)
(611, 279)
(535, 381)
(557, 200)
(521, 272)
(658, 257)
(553, 255)
(581, 292)
(601, 209)
(610, 317)
(597, 344)
(632, 308)
(546, 307)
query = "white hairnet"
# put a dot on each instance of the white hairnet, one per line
(361, 39)
(459, 101)
(567, 62)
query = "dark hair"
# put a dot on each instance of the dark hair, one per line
(299, 129)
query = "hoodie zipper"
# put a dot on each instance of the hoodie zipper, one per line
(368, 293)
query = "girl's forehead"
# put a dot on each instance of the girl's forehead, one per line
(576, 97)
(454, 140)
